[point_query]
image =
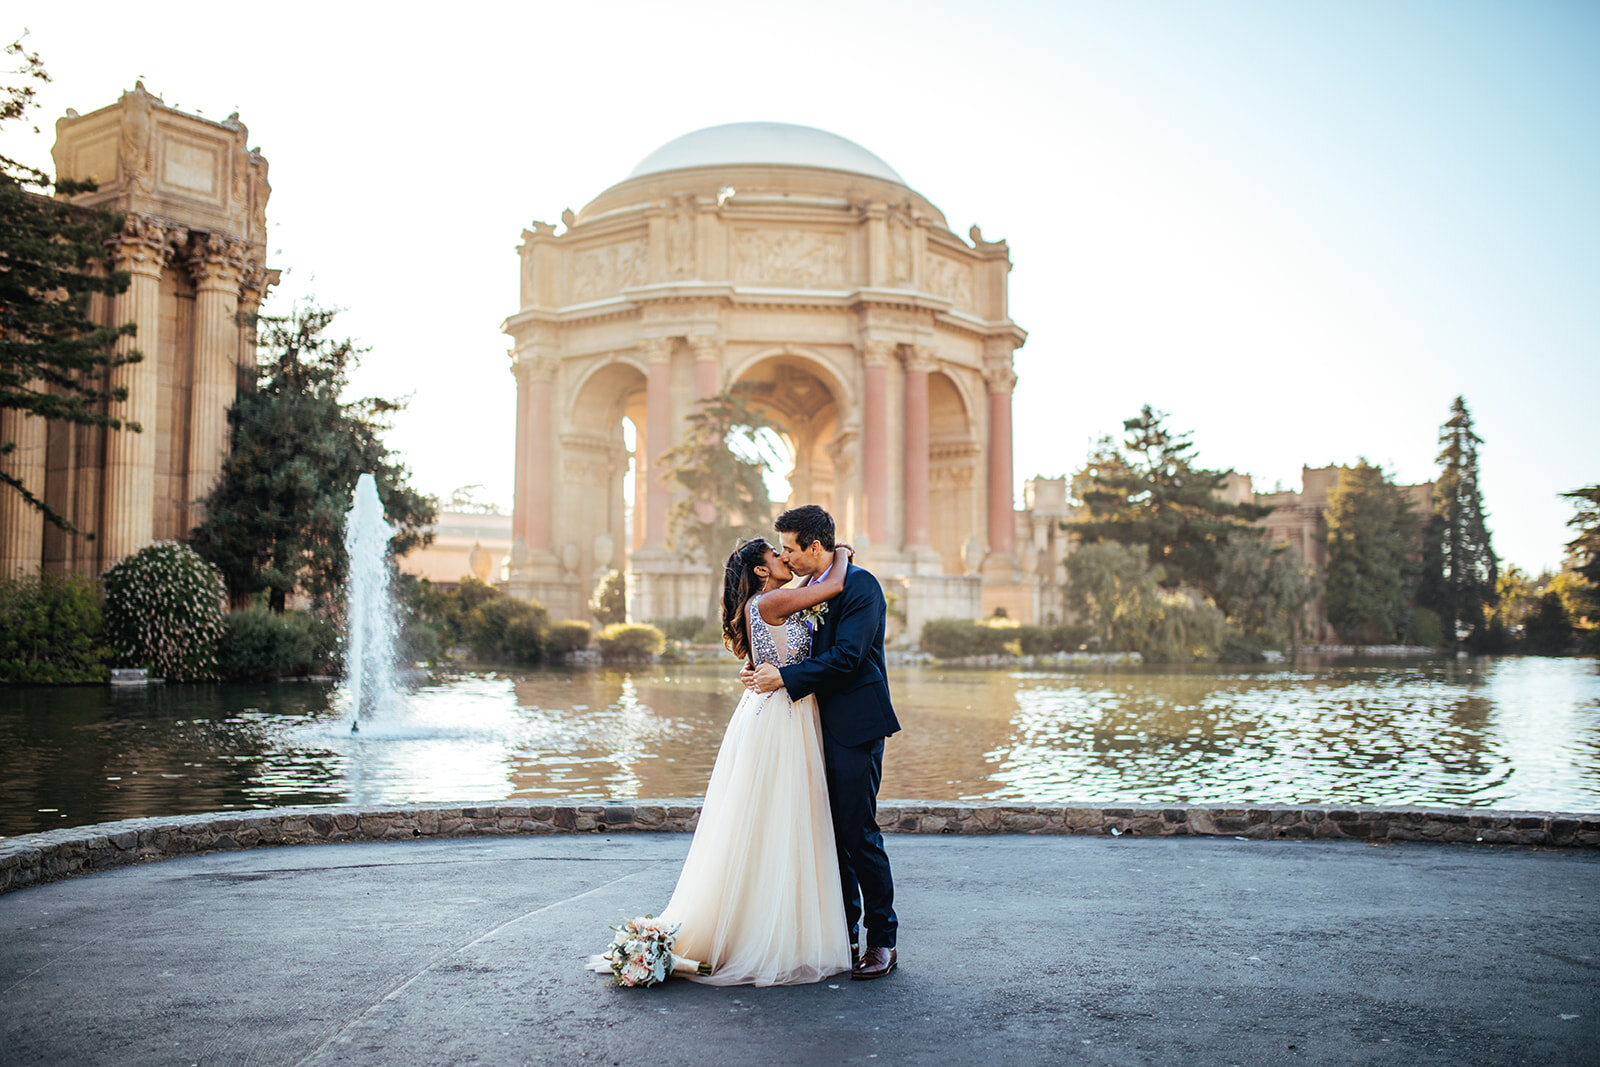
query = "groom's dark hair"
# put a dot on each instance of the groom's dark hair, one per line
(808, 523)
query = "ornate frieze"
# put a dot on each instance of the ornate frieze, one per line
(607, 270)
(949, 279)
(804, 259)
(680, 236)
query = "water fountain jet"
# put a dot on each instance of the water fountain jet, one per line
(370, 628)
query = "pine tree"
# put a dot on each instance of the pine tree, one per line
(54, 358)
(1584, 553)
(1461, 568)
(275, 521)
(1371, 537)
(1152, 492)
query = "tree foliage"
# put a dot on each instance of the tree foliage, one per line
(725, 495)
(50, 631)
(1264, 590)
(1584, 550)
(1152, 492)
(609, 604)
(1459, 565)
(1371, 540)
(275, 521)
(1117, 592)
(54, 357)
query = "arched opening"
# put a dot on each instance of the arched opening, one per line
(600, 517)
(787, 390)
(954, 515)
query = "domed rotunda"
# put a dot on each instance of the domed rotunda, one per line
(800, 266)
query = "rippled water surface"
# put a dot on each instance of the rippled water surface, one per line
(1507, 733)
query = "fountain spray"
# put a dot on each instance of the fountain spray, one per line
(369, 652)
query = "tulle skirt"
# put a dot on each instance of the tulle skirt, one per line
(759, 898)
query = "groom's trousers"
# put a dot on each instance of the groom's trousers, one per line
(853, 773)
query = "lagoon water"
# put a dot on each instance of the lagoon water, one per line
(1521, 733)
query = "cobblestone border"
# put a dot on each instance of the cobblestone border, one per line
(34, 858)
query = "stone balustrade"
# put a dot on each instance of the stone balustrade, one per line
(33, 858)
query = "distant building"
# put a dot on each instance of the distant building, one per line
(1297, 521)
(464, 543)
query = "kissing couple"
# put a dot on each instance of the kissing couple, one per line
(787, 863)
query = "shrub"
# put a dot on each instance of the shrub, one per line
(682, 629)
(567, 635)
(629, 641)
(163, 612)
(258, 645)
(610, 601)
(956, 638)
(503, 629)
(1426, 629)
(1069, 637)
(50, 631)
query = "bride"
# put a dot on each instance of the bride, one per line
(759, 898)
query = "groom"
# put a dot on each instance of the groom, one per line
(846, 672)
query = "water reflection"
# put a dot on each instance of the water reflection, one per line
(1521, 733)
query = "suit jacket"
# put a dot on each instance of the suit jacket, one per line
(846, 669)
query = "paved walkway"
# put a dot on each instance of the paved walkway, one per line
(1015, 950)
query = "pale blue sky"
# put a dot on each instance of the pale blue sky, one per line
(1300, 228)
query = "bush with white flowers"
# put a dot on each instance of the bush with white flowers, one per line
(164, 612)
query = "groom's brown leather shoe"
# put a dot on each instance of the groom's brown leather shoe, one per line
(875, 963)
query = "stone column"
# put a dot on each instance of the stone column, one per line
(707, 366)
(1002, 523)
(875, 439)
(919, 362)
(707, 380)
(21, 524)
(218, 267)
(541, 464)
(143, 248)
(252, 290)
(658, 439)
(523, 474)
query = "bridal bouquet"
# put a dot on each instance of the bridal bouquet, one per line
(641, 953)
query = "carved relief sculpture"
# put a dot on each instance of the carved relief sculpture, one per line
(804, 259)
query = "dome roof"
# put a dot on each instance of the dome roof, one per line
(764, 143)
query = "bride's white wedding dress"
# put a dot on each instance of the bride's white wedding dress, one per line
(759, 898)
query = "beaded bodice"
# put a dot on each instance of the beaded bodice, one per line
(783, 644)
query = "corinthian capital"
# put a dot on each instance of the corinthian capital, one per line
(1000, 379)
(530, 367)
(921, 358)
(217, 261)
(656, 349)
(706, 349)
(253, 281)
(146, 244)
(877, 352)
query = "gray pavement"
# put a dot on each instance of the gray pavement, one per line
(1014, 950)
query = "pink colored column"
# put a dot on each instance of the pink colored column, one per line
(916, 485)
(1002, 523)
(658, 433)
(539, 465)
(875, 441)
(524, 472)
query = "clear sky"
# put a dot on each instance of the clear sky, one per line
(1299, 228)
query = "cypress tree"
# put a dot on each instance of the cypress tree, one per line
(1462, 570)
(275, 521)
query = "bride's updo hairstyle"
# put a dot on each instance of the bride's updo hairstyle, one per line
(739, 583)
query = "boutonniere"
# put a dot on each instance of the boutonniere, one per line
(812, 616)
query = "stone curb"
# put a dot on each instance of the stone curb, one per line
(31, 859)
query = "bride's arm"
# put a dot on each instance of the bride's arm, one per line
(781, 603)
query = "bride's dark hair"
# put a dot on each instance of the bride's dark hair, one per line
(739, 583)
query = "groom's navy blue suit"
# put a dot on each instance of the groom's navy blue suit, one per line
(847, 674)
